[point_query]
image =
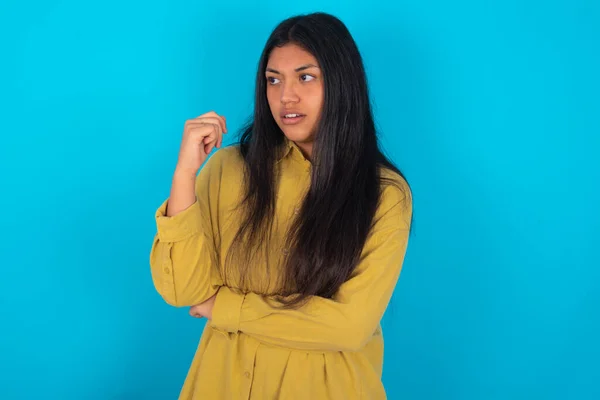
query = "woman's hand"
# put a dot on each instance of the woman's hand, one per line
(203, 309)
(200, 136)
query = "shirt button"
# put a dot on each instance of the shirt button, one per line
(247, 374)
(167, 270)
(296, 210)
(285, 251)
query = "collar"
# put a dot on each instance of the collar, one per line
(288, 147)
(291, 149)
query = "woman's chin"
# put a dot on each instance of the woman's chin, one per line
(296, 135)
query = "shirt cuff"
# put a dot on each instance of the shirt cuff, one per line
(227, 310)
(180, 226)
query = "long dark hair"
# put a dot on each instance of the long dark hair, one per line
(336, 216)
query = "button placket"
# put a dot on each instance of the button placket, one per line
(249, 372)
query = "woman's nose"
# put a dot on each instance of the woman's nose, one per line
(289, 93)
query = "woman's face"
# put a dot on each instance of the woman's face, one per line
(295, 93)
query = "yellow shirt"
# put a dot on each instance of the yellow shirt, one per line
(327, 349)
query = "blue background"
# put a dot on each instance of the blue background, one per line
(490, 108)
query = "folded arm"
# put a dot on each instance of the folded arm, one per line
(345, 322)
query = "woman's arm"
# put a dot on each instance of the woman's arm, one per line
(183, 256)
(345, 322)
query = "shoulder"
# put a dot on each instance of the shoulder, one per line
(395, 203)
(225, 163)
(224, 157)
(394, 188)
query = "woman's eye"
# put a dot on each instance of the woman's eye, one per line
(272, 80)
(307, 78)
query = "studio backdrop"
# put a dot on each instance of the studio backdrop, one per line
(491, 110)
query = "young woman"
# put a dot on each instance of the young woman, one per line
(290, 242)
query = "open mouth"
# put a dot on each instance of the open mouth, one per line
(290, 119)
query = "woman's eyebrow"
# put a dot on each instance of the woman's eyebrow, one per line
(300, 68)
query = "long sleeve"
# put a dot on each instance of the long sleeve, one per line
(348, 320)
(183, 258)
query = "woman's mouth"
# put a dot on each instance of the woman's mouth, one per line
(292, 118)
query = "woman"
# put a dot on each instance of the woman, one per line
(291, 242)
